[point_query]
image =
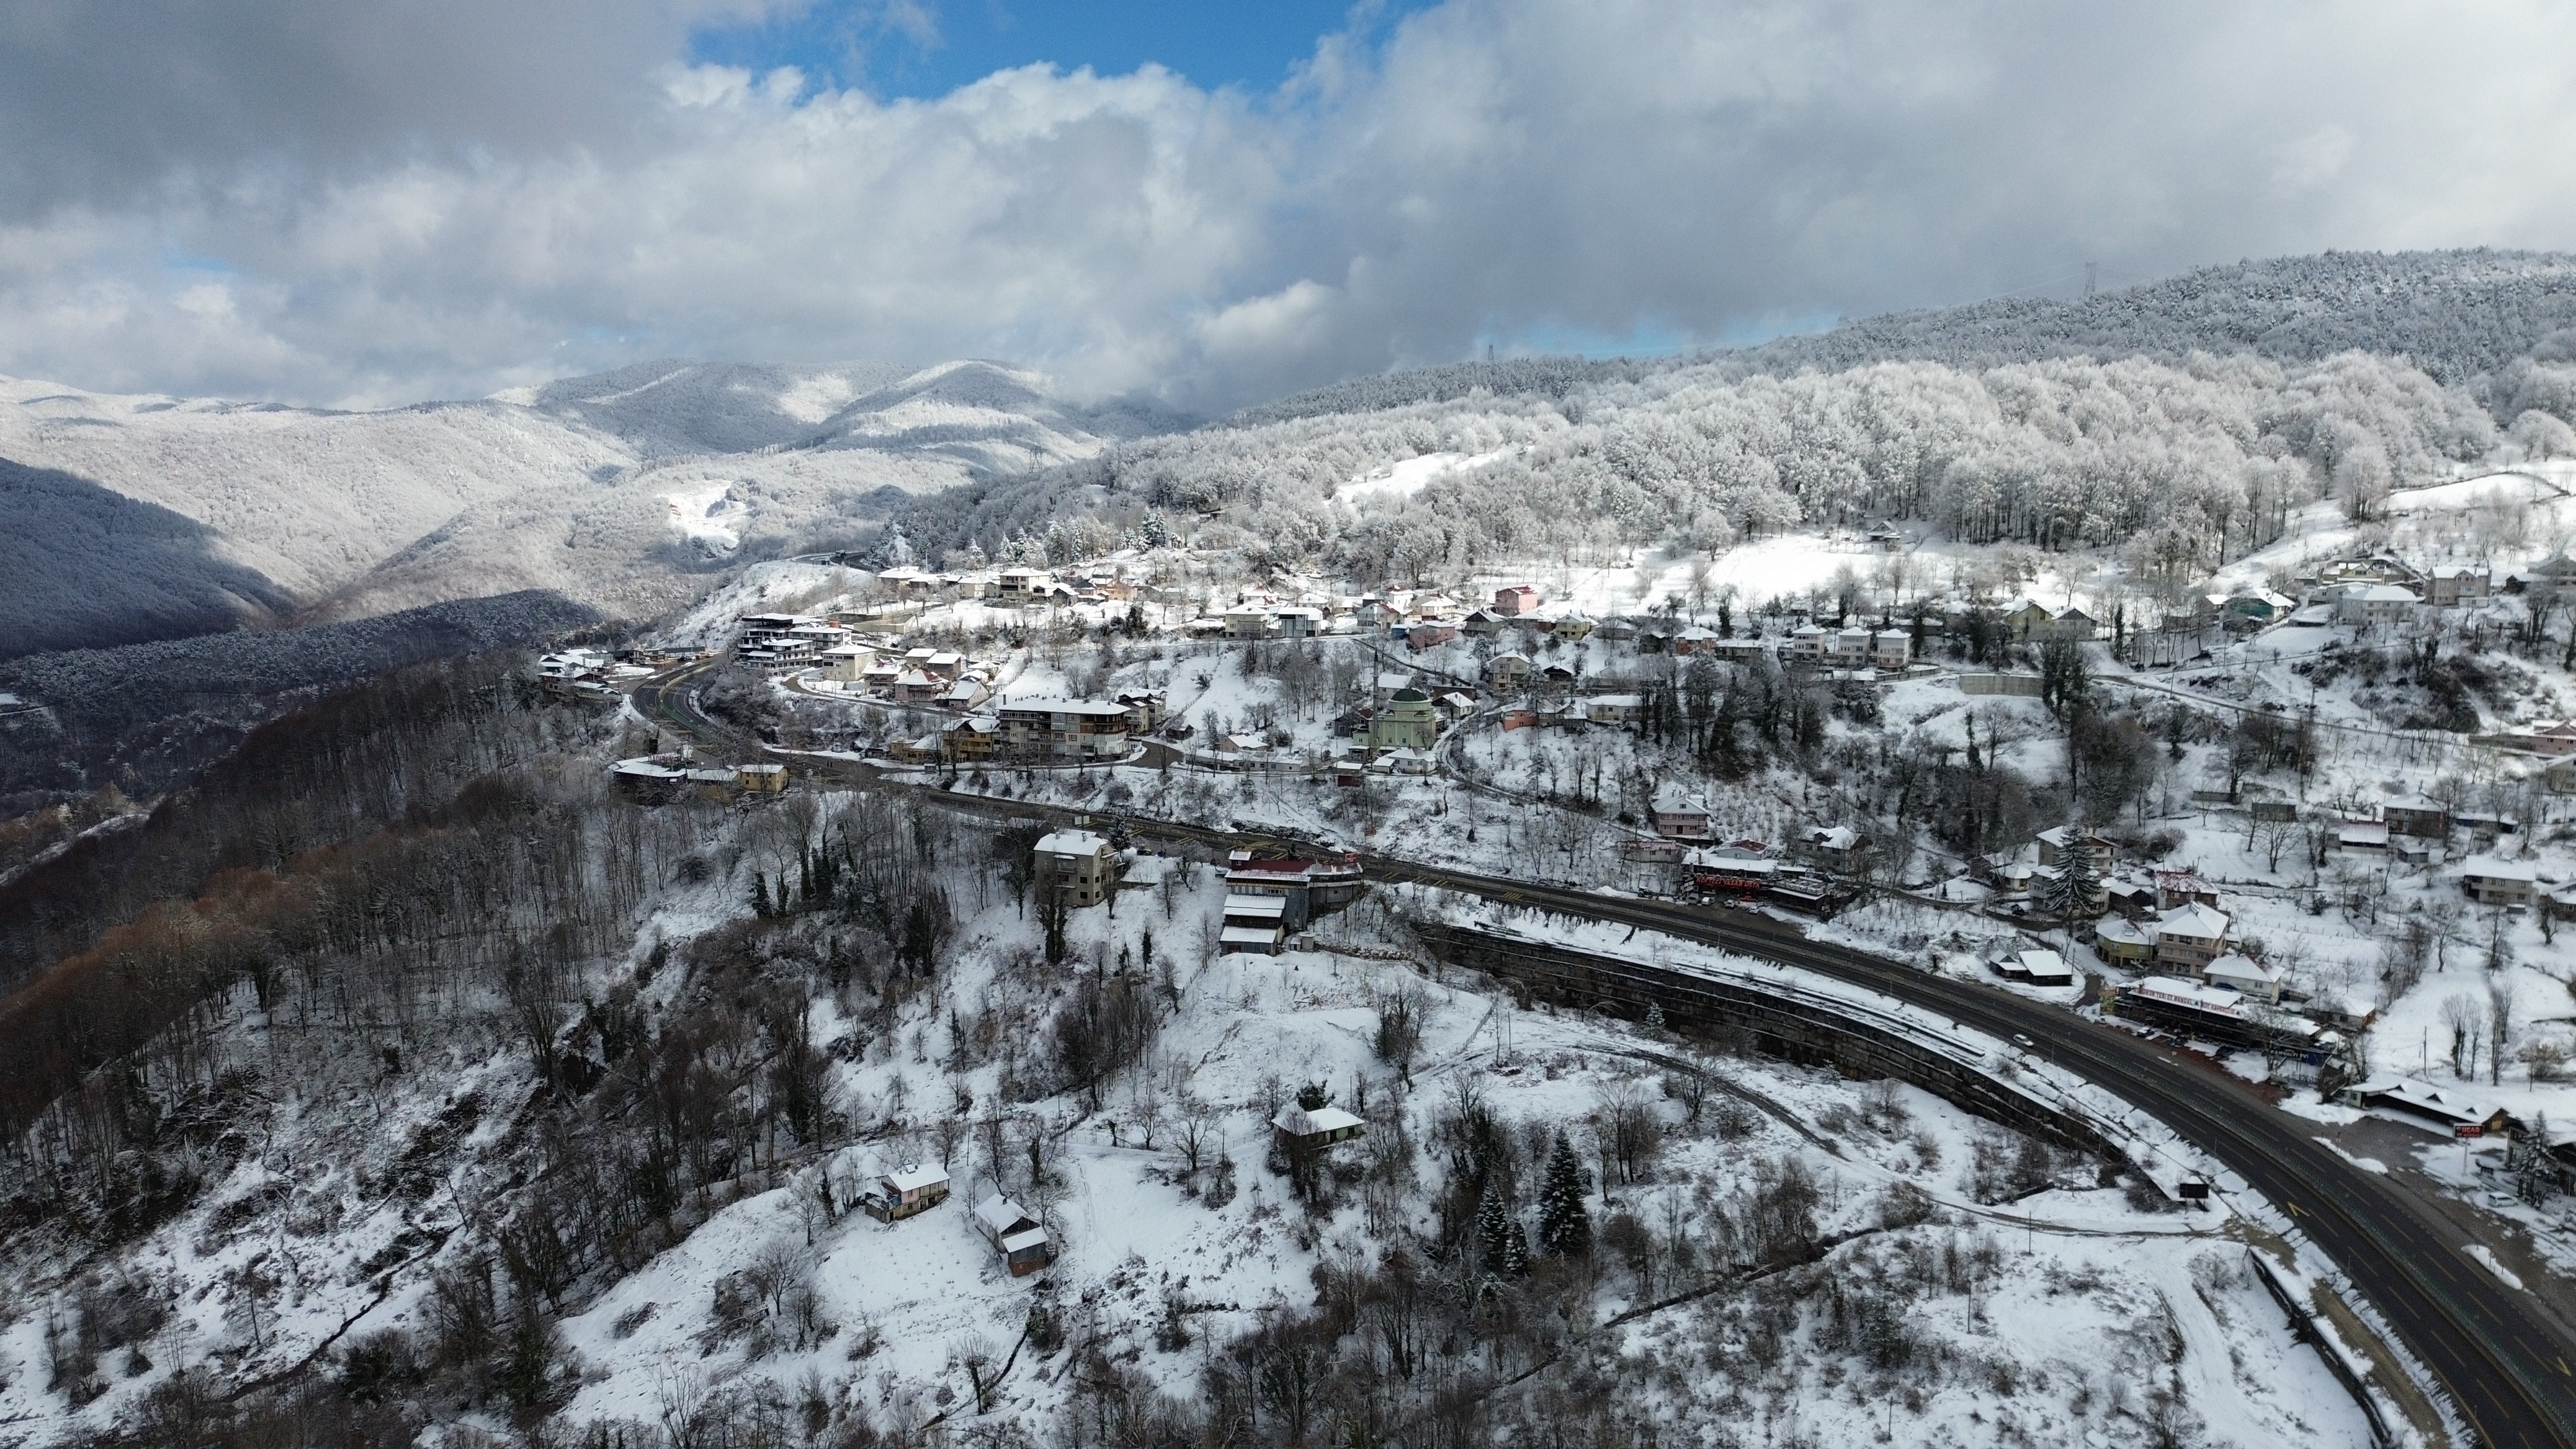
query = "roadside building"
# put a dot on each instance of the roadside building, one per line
(2406, 1100)
(970, 741)
(1145, 710)
(2035, 966)
(1064, 729)
(848, 663)
(1307, 886)
(2246, 977)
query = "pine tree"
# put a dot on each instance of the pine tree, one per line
(1515, 1249)
(1493, 1229)
(1654, 1016)
(1564, 1224)
(2080, 882)
(760, 894)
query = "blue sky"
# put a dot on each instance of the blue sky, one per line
(932, 47)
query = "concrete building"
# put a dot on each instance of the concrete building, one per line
(2493, 882)
(2059, 842)
(1678, 814)
(2416, 816)
(2374, 605)
(2190, 937)
(2246, 977)
(971, 741)
(1074, 865)
(1253, 923)
(1064, 729)
(2124, 943)
(2452, 584)
(1891, 649)
(1515, 600)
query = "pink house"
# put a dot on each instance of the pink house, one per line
(1516, 600)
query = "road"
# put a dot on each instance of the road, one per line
(2505, 1364)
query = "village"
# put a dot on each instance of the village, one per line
(2227, 910)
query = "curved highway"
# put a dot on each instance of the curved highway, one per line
(2504, 1364)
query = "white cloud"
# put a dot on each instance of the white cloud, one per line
(1500, 169)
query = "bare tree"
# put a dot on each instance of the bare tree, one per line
(2465, 1020)
(2500, 1007)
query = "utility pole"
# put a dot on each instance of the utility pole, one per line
(2090, 269)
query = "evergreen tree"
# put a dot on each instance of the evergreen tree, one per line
(760, 894)
(1493, 1232)
(2069, 896)
(1564, 1224)
(1654, 1016)
(1516, 1262)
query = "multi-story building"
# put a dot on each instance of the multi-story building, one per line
(1064, 729)
(1073, 866)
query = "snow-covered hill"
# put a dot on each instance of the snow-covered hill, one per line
(146, 517)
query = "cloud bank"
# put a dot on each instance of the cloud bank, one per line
(275, 199)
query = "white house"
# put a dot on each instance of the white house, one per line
(2494, 882)
(2246, 977)
(2374, 604)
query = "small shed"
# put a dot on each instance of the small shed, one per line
(1023, 1244)
(1317, 1127)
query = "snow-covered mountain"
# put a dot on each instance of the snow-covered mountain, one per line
(136, 517)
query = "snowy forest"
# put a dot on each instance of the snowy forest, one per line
(2182, 420)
